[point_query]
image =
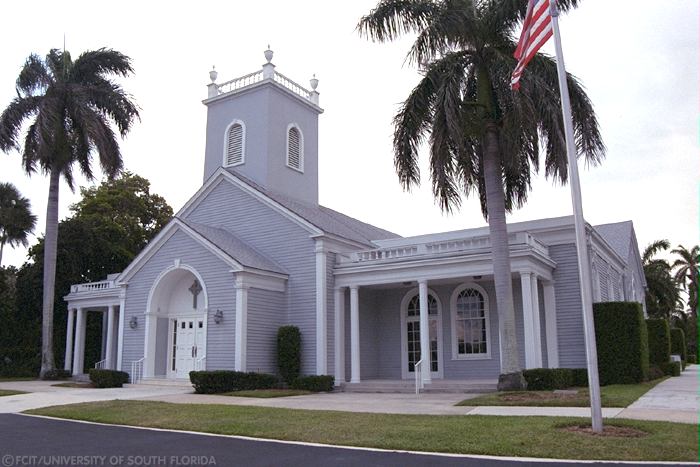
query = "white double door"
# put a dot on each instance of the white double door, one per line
(188, 344)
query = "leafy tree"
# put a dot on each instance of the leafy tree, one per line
(107, 228)
(16, 218)
(483, 138)
(687, 273)
(663, 294)
(72, 104)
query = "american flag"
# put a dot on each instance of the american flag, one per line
(537, 29)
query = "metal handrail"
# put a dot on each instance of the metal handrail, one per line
(137, 370)
(101, 365)
(200, 364)
(418, 370)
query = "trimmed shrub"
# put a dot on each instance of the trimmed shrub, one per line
(579, 377)
(659, 341)
(56, 374)
(108, 378)
(543, 379)
(655, 372)
(214, 382)
(691, 360)
(289, 353)
(678, 344)
(320, 383)
(622, 342)
(672, 368)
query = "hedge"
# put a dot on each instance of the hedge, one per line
(579, 377)
(320, 383)
(622, 342)
(289, 353)
(108, 378)
(542, 379)
(659, 341)
(214, 382)
(672, 368)
(678, 344)
(692, 360)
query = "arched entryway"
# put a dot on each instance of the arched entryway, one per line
(410, 333)
(176, 324)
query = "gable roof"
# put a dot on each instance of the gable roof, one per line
(326, 219)
(619, 237)
(235, 247)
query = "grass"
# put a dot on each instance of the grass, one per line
(614, 395)
(73, 385)
(500, 436)
(4, 392)
(17, 378)
(267, 393)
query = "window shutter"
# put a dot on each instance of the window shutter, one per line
(294, 149)
(234, 149)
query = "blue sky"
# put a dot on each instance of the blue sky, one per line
(637, 59)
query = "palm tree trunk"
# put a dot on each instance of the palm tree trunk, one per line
(2, 247)
(511, 375)
(50, 247)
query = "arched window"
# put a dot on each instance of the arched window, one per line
(234, 149)
(470, 323)
(295, 148)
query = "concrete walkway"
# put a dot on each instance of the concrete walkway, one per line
(675, 400)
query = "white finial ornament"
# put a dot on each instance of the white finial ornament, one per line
(213, 74)
(313, 82)
(268, 54)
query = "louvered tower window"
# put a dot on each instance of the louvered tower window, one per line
(234, 145)
(295, 153)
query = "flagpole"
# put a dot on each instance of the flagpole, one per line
(580, 228)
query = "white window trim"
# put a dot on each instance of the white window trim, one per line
(225, 157)
(404, 341)
(453, 322)
(301, 148)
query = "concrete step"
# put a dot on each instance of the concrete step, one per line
(408, 387)
(185, 383)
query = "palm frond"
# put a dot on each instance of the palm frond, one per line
(11, 119)
(94, 64)
(33, 78)
(393, 18)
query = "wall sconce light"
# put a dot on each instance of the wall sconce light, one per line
(218, 316)
(133, 322)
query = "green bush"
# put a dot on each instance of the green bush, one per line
(659, 341)
(108, 378)
(691, 360)
(56, 374)
(543, 379)
(214, 382)
(672, 368)
(655, 372)
(320, 383)
(678, 344)
(579, 377)
(289, 353)
(622, 342)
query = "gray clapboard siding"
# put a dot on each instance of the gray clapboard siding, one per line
(218, 283)
(266, 311)
(268, 231)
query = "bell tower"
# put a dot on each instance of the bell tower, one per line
(264, 126)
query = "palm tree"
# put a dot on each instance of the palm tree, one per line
(483, 137)
(72, 105)
(663, 295)
(688, 275)
(16, 218)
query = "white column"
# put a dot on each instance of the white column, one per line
(79, 345)
(109, 354)
(321, 316)
(68, 361)
(550, 319)
(536, 328)
(339, 301)
(424, 330)
(120, 333)
(526, 286)
(354, 335)
(241, 325)
(149, 353)
(103, 343)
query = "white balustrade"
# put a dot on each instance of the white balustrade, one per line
(137, 371)
(101, 365)
(257, 77)
(92, 286)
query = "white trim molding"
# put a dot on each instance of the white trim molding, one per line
(241, 337)
(321, 311)
(453, 322)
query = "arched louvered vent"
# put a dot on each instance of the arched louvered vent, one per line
(234, 145)
(294, 149)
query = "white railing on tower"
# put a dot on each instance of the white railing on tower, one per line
(92, 286)
(292, 86)
(136, 374)
(241, 82)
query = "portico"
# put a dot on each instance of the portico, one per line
(445, 286)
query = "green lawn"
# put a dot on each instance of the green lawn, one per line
(74, 385)
(267, 393)
(615, 395)
(4, 392)
(501, 436)
(17, 378)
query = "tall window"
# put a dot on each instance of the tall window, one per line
(235, 141)
(295, 149)
(413, 332)
(470, 323)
